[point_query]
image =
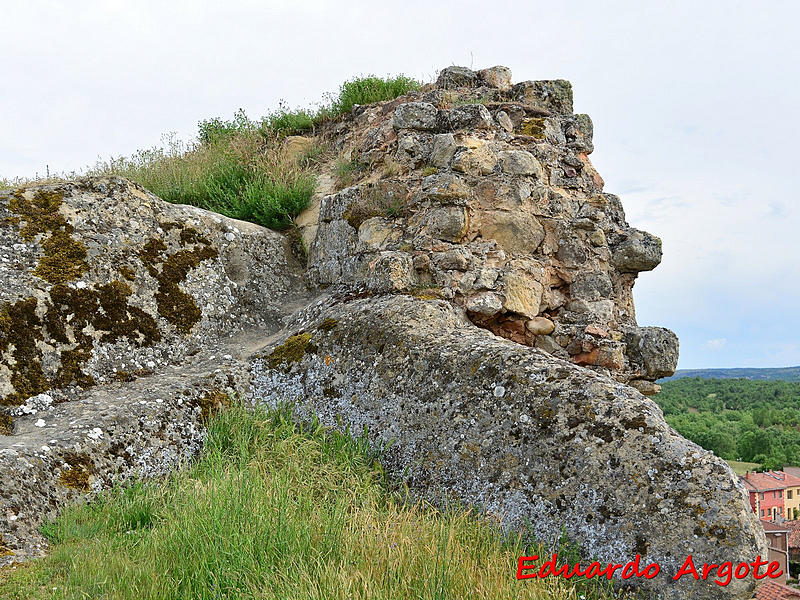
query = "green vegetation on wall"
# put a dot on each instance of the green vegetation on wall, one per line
(237, 168)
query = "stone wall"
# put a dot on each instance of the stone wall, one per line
(482, 193)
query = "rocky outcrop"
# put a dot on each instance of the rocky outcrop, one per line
(538, 442)
(483, 194)
(124, 322)
(468, 301)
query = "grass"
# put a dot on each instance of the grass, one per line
(356, 91)
(740, 468)
(236, 167)
(347, 171)
(276, 510)
(240, 175)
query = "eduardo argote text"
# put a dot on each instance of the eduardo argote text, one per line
(721, 574)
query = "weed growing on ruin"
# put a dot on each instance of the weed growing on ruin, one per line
(237, 167)
(356, 91)
(236, 172)
(273, 509)
(347, 171)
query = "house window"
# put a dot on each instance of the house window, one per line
(762, 495)
(762, 512)
(780, 493)
(788, 494)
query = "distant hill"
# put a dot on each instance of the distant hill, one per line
(771, 374)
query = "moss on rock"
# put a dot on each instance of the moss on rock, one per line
(327, 324)
(77, 475)
(19, 333)
(210, 403)
(533, 127)
(292, 350)
(6, 424)
(175, 305)
(64, 258)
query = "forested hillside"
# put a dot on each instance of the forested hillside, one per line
(738, 419)
(771, 374)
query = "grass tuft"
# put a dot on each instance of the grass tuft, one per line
(274, 509)
(236, 167)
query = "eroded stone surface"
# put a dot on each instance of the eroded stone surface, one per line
(123, 322)
(525, 436)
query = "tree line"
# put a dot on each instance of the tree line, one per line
(737, 419)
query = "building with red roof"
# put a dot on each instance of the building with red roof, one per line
(766, 494)
(769, 590)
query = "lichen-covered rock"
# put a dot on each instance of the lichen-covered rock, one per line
(537, 441)
(108, 435)
(121, 320)
(107, 278)
(415, 115)
(456, 77)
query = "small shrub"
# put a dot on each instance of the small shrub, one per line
(214, 130)
(375, 203)
(290, 122)
(366, 90)
(360, 90)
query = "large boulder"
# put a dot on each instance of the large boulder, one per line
(539, 442)
(124, 321)
(522, 201)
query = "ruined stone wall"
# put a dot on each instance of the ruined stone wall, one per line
(482, 193)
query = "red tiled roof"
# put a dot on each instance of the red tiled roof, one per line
(794, 471)
(770, 480)
(773, 527)
(775, 591)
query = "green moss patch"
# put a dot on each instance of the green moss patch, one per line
(64, 258)
(533, 127)
(67, 314)
(292, 350)
(5, 550)
(19, 333)
(78, 473)
(327, 324)
(211, 403)
(169, 270)
(6, 424)
(127, 272)
(40, 214)
(126, 376)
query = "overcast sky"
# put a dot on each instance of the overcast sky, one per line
(694, 105)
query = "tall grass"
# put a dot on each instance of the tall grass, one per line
(275, 510)
(236, 167)
(359, 90)
(239, 174)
